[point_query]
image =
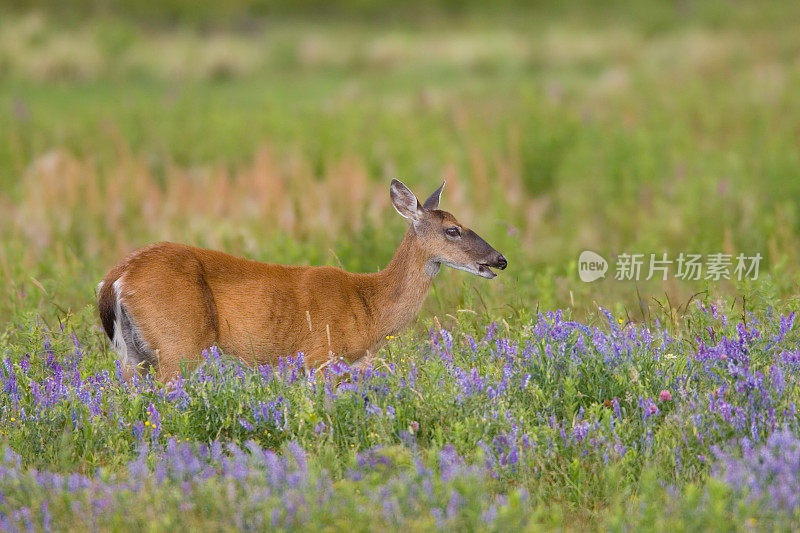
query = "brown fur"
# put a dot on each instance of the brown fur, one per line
(184, 299)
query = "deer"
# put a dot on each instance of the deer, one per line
(163, 304)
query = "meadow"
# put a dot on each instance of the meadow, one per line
(531, 401)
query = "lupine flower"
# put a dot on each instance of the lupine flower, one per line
(155, 420)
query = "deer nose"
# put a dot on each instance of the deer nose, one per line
(502, 262)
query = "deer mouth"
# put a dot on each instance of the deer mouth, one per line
(485, 272)
(479, 269)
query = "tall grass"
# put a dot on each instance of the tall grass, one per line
(278, 144)
(666, 130)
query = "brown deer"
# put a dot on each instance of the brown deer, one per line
(165, 303)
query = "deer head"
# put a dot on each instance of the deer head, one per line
(442, 237)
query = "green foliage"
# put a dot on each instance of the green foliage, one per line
(571, 403)
(625, 127)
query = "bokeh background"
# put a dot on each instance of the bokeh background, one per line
(271, 129)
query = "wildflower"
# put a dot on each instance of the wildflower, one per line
(389, 337)
(450, 463)
(447, 337)
(155, 420)
(665, 396)
(670, 356)
(778, 381)
(413, 426)
(46, 515)
(453, 505)
(648, 408)
(138, 431)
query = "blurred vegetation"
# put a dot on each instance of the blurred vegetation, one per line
(628, 127)
(654, 15)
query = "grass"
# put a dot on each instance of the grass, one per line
(653, 132)
(551, 423)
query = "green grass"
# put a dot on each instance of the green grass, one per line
(641, 128)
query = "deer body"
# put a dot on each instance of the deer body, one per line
(165, 303)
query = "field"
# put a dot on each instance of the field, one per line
(531, 401)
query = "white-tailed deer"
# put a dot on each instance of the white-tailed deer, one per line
(165, 303)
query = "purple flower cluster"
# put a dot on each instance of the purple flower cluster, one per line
(256, 474)
(253, 487)
(768, 473)
(555, 392)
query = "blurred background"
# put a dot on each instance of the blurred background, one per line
(271, 129)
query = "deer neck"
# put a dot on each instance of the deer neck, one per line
(402, 286)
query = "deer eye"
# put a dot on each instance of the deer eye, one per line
(453, 232)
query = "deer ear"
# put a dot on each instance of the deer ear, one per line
(404, 201)
(433, 200)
